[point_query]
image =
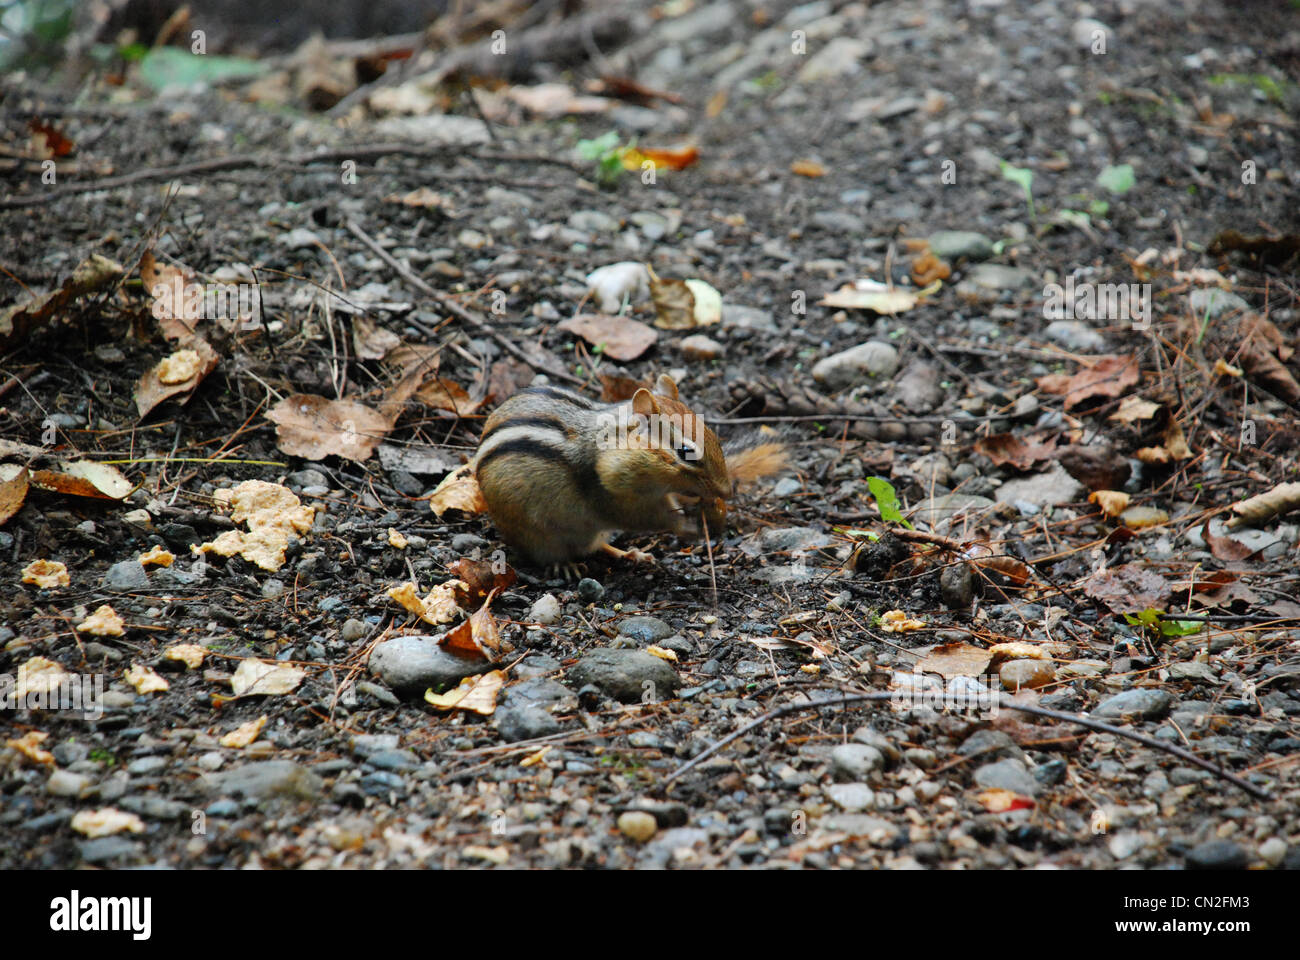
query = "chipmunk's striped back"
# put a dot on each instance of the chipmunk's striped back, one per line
(559, 472)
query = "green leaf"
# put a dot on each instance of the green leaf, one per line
(1019, 175)
(1153, 621)
(882, 491)
(1075, 218)
(1147, 618)
(1118, 180)
(596, 149)
(166, 66)
(1023, 177)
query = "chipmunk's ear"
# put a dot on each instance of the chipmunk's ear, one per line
(644, 403)
(666, 386)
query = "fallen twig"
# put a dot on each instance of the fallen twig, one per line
(269, 161)
(456, 310)
(789, 708)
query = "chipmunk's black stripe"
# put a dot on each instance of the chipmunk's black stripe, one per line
(545, 423)
(583, 470)
(526, 445)
(576, 399)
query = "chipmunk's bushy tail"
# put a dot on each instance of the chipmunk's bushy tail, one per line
(753, 455)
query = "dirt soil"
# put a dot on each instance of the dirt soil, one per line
(818, 165)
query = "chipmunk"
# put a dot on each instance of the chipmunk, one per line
(560, 472)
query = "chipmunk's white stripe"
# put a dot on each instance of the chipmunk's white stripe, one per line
(549, 436)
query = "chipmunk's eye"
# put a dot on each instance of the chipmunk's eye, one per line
(687, 451)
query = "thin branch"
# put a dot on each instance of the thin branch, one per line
(1091, 724)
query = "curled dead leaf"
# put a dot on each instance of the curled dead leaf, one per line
(14, 482)
(1283, 498)
(176, 374)
(475, 694)
(1111, 502)
(459, 490)
(84, 478)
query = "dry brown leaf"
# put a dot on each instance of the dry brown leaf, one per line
(1259, 509)
(476, 637)
(29, 745)
(1128, 588)
(89, 276)
(506, 378)
(190, 654)
(481, 579)
(178, 313)
(872, 295)
(1134, 408)
(443, 394)
(412, 357)
(1112, 502)
(13, 490)
(178, 373)
(955, 660)
(459, 490)
(261, 678)
(620, 338)
(244, 734)
(672, 158)
(84, 478)
(1007, 448)
(683, 304)
(1109, 377)
(314, 428)
(104, 622)
(1017, 571)
(1263, 367)
(143, 679)
(1225, 548)
(105, 822)
(370, 341)
(475, 694)
(807, 168)
(896, 621)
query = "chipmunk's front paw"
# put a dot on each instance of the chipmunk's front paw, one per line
(635, 555)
